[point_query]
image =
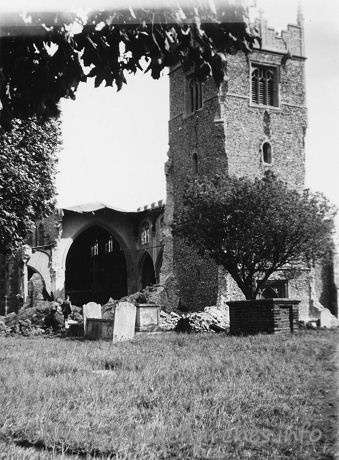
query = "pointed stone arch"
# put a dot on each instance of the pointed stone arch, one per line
(147, 272)
(96, 267)
(39, 262)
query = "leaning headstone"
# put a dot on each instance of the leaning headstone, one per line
(124, 321)
(91, 310)
(327, 319)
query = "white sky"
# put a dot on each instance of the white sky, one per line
(322, 85)
(115, 144)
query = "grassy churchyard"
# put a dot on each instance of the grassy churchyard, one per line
(169, 396)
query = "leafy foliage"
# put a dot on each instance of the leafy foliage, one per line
(193, 271)
(46, 60)
(27, 170)
(254, 228)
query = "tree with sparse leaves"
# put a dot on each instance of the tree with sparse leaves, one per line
(254, 228)
(45, 57)
(27, 171)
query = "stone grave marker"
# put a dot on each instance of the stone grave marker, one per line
(124, 321)
(327, 319)
(91, 310)
(147, 317)
(99, 329)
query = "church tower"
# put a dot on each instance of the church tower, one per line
(256, 121)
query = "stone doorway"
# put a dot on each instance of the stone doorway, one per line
(95, 268)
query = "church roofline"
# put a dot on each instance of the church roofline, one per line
(97, 206)
(92, 207)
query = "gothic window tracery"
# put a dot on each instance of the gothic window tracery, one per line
(145, 233)
(109, 245)
(193, 96)
(95, 248)
(264, 83)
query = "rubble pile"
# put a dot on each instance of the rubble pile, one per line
(108, 309)
(168, 321)
(77, 314)
(212, 319)
(31, 321)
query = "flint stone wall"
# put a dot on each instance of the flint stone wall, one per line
(227, 134)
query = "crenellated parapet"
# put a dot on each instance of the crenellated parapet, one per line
(289, 41)
(154, 205)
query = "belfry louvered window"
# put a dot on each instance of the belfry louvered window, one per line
(193, 96)
(264, 85)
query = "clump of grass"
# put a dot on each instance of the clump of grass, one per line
(169, 396)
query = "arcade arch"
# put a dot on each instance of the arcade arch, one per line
(147, 273)
(96, 267)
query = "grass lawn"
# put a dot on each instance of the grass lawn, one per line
(169, 396)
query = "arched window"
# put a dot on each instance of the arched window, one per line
(145, 233)
(267, 153)
(95, 248)
(193, 96)
(264, 83)
(195, 166)
(109, 245)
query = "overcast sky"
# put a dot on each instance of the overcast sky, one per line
(115, 144)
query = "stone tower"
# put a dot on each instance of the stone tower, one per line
(256, 121)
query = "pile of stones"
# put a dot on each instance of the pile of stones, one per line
(212, 319)
(168, 321)
(28, 321)
(43, 319)
(38, 320)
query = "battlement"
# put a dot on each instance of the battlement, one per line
(288, 41)
(152, 206)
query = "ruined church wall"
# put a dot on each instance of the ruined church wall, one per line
(75, 223)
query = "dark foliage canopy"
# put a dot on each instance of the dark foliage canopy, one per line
(27, 170)
(254, 228)
(44, 58)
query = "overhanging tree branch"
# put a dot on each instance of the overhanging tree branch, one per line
(45, 57)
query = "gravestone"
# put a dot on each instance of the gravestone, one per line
(147, 317)
(327, 319)
(91, 310)
(124, 321)
(99, 329)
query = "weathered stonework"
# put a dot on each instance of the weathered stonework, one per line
(226, 136)
(54, 238)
